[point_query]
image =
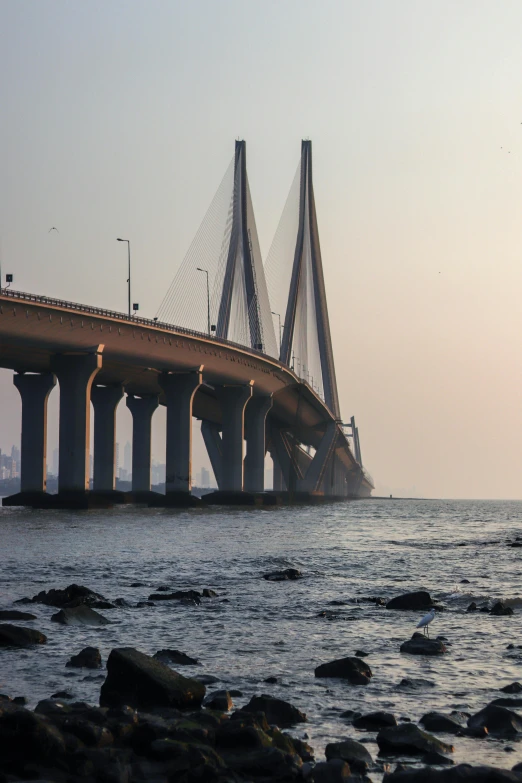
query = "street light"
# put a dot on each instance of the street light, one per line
(129, 279)
(280, 338)
(208, 298)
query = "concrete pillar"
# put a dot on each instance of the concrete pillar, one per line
(214, 444)
(142, 409)
(179, 392)
(233, 402)
(75, 375)
(278, 483)
(255, 424)
(105, 400)
(34, 391)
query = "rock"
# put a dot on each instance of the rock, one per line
(176, 657)
(271, 680)
(501, 610)
(142, 604)
(480, 732)
(437, 721)
(27, 738)
(361, 654)
(62, 695)
(140, 681)
(13, 614)
(209, 593)
(219, 700)
(408, 739)
(437, 758)
(354, 670)
(277, 711)
(74, 595)
(351, 751)
(463, 773)
(208, 679)
(283, 576)
(20, 700)
(499, 721)
(265, 763)
(88, 658)
(79, 615)
(13, 636)
(373, 721)
(186, 596)
(472, 607)
(514, 687)
(419, 600)
(464, 581)
(407, 684)
(138, 584)
(421, 645)
(334, 771)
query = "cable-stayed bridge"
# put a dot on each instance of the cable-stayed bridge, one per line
(214, 351)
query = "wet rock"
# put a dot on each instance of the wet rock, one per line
(271, 680)
(140, 681)
(463, 773)
(270, 763)
(334, 771)
(479, 732)
(472, 607)
(27, 738)
(419, 600)
(88, 658)
(361, 654)
(176, 657)
(499, 721)
(412, 684)
(73, 595)
(437, 721)
(373, 721)
(240, 733)
(501, 610)
(354, 670)
(209, 593)
(408, 739)
(13, 614)
(464, 581)
(219, 700)
(79, 615)
(277, 711)
(138, 584)
(514, 687)
(21, 701)
(283, 576)
(351, 751)
(421, 645)
(208, 679)
(62, 695)
(437, 759)
(186, 596)
(13, 636)
(142, 604)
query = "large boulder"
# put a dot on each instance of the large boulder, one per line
(186, 596)
(501, 610)
(437, 721)
(373, 721)
(14, 614)
(513, 687)
(351, 751)
(73, 595)
(418, 601)
(79, 615)
(356, 671)
(499, 721)
(463, 773)
(219, 700)
(333, 771)
(26, 737)
(407, 739)
(88, 658)
(421, 645)
(276, 711)
(13, 636)
(138, 680)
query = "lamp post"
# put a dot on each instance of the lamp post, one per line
(280, 337)
(129, 279)
(208, 298)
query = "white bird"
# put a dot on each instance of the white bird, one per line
(426, 620)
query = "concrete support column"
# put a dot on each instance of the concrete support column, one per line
(142, 409)
(34, 391)
(105, 400)
(179, 392)
(233, 402)
(255, 424)
(278, 483)
(214, 444)
(75, 375)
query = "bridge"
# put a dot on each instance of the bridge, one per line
(254, 394)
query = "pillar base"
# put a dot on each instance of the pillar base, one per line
(224, 498)
(176, 500)
(142, 496)
(75, 500)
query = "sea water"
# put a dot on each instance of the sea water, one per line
(347, 552)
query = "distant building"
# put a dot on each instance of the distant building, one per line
(205, 478)
(55, 461)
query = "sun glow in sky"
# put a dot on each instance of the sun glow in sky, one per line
(119, 119)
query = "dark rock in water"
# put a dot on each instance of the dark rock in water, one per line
(437, 721)
(207, 679)
(70, 596)
(142, 604)
(118, 602)
(350, 714)
(62, 695)
(373, 721)
(209, 593)
(265, 763)
(334, 771)
(472, 607)
(79, 615)
(271, 680)
(13, 636)
(188, 596)
(176, 657)
(480, 732)
(499, 721)
(501, 610)
(421, 645)
(163, 589)
(463, 773)
(418, 601)
(407, 739)
(354, 670)
(138, 584)
(235, 693)
(27, 738)
(283, 576)
(277, 711)
(464, 581)
(437, 758)
(13, 614)
(361, 654)
(351, 751)
(88, 658)
(21, 701)
(139, 681)
(514, 687)
(419, 684)
(219, 700)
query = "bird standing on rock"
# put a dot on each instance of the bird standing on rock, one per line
(426, 620)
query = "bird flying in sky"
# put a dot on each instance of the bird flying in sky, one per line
(53, 229)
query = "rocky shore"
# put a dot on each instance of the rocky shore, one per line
(154, 724)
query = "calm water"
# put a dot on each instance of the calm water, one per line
(346, 552)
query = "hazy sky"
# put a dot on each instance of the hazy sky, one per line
(119, 119)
